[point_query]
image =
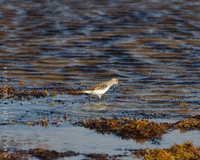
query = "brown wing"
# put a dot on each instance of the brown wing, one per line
(98, 86)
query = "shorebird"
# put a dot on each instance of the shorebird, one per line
(101, 88)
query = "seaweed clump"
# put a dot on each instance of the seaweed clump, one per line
(46, 154)
(10, 92)
(5, 155)
(185, 151)
(187, 124)
(139, 130)
(43, 122)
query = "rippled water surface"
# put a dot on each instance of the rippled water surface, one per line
(152, 47)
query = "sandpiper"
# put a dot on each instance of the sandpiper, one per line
(101, 88)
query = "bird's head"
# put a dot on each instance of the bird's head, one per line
(115, 81)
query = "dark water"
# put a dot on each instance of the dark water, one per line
(152, 47)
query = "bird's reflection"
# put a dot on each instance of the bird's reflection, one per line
(95, 106)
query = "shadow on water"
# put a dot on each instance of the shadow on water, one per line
(152, 47)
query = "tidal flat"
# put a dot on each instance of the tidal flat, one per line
(50, 50)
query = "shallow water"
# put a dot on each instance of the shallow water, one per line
(152, 47)
(84, 141)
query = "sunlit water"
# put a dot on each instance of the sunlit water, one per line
(152, 47)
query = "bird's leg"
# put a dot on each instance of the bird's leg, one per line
(89, 98)
(114, 88)
(99, 100)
